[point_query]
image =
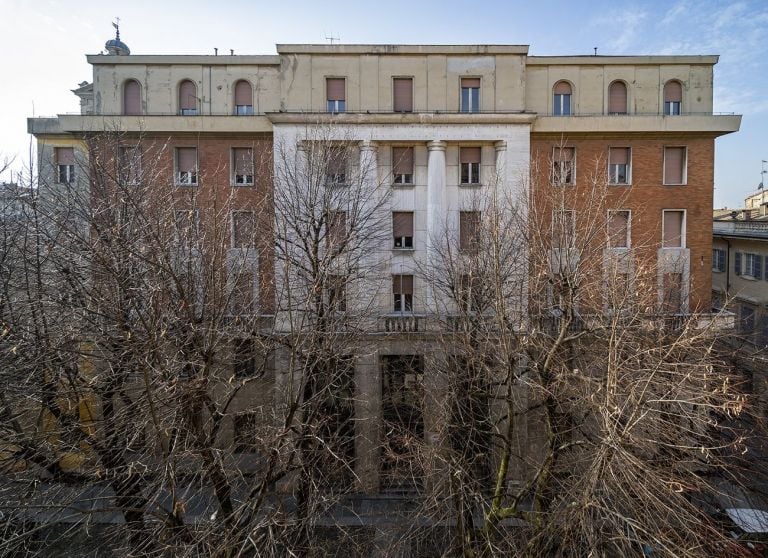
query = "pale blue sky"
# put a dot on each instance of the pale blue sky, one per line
(44, 42)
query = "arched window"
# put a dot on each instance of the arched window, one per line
(187, 97)
(561, 105)
(131, 97)
(243, 98)
(617, 98)
(673, 97)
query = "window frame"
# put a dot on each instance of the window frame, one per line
(558, 165)
(473, 170)
(177, 174)
(234, 244)
(403, 179)
(247, 109)
(613, 177)
(233, 165)
(672, 108)
(718, 260)
(123, 108)
(558, 100)
(65, 173)
(340, 105)
(684, 173)
(473, 100)
(403, 302)
(405, 242)
(629, 228)
(626, 98)
(752, 266)
(127, 167)
(683, 229)
(187, 111)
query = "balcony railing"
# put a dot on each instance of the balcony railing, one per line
(741, 228)
(402, 323)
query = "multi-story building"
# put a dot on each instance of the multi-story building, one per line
(443, 127)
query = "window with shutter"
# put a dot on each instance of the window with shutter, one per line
(402, 93)
(618, 165)
(402, 289)
(243, 98)
(336, 94)
(130, 165)
(673, 229)
(186, 166)
(402, 227)
(563, 164)
(618, 228)
(336, 230)
(617, 98)
(243, 229)
(241, 298)
(131, 97)
(336, 167)
(65, 165)
(753, 265)
(469, 158)
(402, 165)
(187, 98)
(718, 259)
(242, 162)
(673, 98)
(737, 263)
(336, 293)
(470, 95)
(674, 165)
(469, 230)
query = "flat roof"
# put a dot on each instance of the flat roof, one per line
(599, 60)
(400, 49)
(208, 59)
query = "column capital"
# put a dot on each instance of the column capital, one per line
(501, 145)
(436, 145)
(368, 145)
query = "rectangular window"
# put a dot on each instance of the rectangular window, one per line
(243, 358)
(130, 165)
(675, 165)
(402, 94)
(618, 228)
(563, 228)
(563, 159)
(65, 165)
(186, 166)
(619, 159)
(402, 288)
(336, 290)
(402, 165)
(718, 259)
(242, 163)
(673, 232)
(336, 94)
(336, 167)
(402, 227)
(753, 265)
(469, 160)
(243, 229)
(187, 224)
(336, 230)
(469, 230)
(470, 94)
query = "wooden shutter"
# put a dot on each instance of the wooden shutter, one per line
(758, 267)
(334, 88)
(402, 284)
(673, 92)
(469, 226)
(243, 160)
(243, 93)
(618, 229)
(402, 160)
(674, 159)
(402, 223)
(469, 154)
(131, 97)
(402, 94)
(65, 156)
(470, 82)
(737, 263)
(187, 95)
(186, 158)
(562, 88)
(673, 229)
(563, 154)
(618, 156)
(617, 98)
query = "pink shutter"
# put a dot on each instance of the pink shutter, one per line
(618, 156)
(673, 229)
(617, 98)
(131, 97)
(674, 158)
(673, 92)
(562, 88)
(469, 154)
(470, 82)
(243, 160)
(186, 158)
(402, 94)
(618, 226)
(187, 95)
(402, 223)
(243, 93)
(335, 89)
(65, 156)
(402, 160)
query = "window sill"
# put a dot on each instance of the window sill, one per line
(466, 185)
(186, 184)
(619, 184)
(240, 185)
(681, 184)
(748, 277)
(562, 184)
(718, 271)
(403, 250)
(403, 186)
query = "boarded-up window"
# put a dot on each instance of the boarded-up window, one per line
(243, 98)
(618, 165)
(186, 165)
(402, 91)
(469, 161)
(402, 289)
(243, 229)
(336, 229)
(243, 162)
(673, 229)
(563, 165)
(402, 227)
(402, 165)
(335, 90)
(618, 228)
(131, 97)
(673, 98)
(187, 97)
(674, 165)
(617, 98)
(469, 229)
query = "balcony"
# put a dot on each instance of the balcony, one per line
(402, 323)
(741, 229)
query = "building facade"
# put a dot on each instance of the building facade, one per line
(444, 129)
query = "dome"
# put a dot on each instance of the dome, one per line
(116, 46)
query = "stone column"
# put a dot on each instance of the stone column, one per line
(436, 216)
(501, 155)
(369, 170)
(367, 422)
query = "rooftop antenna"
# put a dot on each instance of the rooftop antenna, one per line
(762, 175)
(595, 50)
(331, 38)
